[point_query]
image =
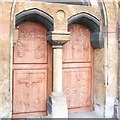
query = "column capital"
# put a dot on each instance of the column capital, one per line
(57, 46)
(58, 37)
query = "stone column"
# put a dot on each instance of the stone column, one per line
(57, 105)
(111, 58)
(57, 68)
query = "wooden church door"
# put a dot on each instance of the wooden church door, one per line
(78, 70)
(31, 71)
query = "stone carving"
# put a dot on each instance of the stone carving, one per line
(60, 15)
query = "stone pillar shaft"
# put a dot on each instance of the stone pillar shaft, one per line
(57, 69)
(57, 104)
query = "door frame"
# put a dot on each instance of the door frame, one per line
(43, 16)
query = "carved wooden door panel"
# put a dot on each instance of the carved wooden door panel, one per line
(31, 71)
(78, 70)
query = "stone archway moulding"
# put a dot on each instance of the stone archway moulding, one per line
(37, 16)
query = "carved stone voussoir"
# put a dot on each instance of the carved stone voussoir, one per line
(58, 38)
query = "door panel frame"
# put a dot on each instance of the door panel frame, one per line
(88, 64)
(47, 67)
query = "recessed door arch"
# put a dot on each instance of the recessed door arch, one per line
(32, 57)
(78, 69)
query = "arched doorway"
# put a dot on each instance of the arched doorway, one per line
(32, 57)
(78, 69)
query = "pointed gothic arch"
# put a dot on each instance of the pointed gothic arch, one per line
(93, 24)
(35, 15)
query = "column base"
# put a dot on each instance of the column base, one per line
(57, 106)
